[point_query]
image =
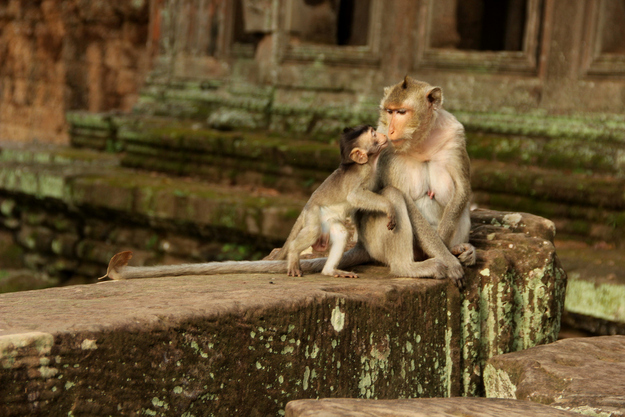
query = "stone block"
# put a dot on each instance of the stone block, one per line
(180, 245)
(242, 344)
(596, 287)
(515, 296)
(424, 407)
(95, 251)
(65, 244)
(584, 375)
(10, 251)
(97, 229)
(8, 207)
(36, 238)
(104, 192)
(253, 342)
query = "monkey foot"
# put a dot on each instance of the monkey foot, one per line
(338, 273)
(294, 272)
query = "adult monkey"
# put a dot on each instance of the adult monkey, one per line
(430, 167)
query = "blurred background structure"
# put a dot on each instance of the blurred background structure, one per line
(227, 111)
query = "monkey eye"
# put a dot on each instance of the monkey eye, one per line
(401, 111)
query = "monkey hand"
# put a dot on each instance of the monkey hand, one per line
(455, 272)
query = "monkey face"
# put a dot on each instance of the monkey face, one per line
(398, 119)
(369, 143)
(407, 111)
(373, 142)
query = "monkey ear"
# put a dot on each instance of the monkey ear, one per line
(404, 85)
(435, 97)
(359, 156)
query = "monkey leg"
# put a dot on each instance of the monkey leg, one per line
(395, 248)
(430, 242)
(358, 255)
(338, 240)
(459, 243)
(305, 238)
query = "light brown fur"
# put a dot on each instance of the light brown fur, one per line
(430, 167)
(345, 190)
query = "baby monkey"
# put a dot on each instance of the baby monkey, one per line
(345, 190)
(322, 219)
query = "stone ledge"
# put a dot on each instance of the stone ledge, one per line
(225, 344)
(550, 185)
(584, 375)
(596, 286)
(225, 338)
(78, 178)
(425, 407)
(587, 127)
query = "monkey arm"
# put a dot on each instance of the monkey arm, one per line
(428, 239)
(362, 199)
(462, 193)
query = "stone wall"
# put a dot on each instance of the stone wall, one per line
(573, 177)
(64, 212)
(59, 55)
(61, 245)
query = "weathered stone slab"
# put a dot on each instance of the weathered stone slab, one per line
(221, 344)
(225, 345)
(515, 295)
(424, 407)
(584, 375)
(595, 293)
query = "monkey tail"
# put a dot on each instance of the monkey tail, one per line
(208, 268)
(119, 270)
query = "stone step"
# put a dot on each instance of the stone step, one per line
(595, 293)
(215, 344)
(586, 144)
(95, 181)
(597, 191)
(583, 375)
(577, 185)
(55, 155)
(423, 407)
